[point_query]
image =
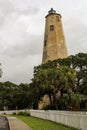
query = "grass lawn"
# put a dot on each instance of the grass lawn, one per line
(39, 124)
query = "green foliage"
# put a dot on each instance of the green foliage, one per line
(84, 110)
(77, 62)
(4, 113)
(63, 103)
(14, 96)
(14, 113)
(50, 107)
(24, 113)
(51, 80)
(66, 75)
(21, 113)
(75, 98)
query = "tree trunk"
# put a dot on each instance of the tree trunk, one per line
(55, 101)
(51, 101)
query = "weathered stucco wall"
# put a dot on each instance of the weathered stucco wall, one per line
(54, 39)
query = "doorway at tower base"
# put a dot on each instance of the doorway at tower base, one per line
(44, 102)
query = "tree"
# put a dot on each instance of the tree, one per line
(74, 100)
(14, 96)
(77, 62)
(50, 80)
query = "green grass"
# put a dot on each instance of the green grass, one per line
(39, 124)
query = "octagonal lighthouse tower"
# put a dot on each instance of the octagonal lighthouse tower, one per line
(54, 40)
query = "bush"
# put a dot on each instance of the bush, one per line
(14, 113)
(84, 110)
(24, 113)
(4, 113)
(50, 107)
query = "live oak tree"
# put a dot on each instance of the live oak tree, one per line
(77, 62)
(14, 96)
(52, 80)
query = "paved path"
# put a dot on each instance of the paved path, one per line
(16, 124)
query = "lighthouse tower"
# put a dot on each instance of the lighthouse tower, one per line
(54, 40)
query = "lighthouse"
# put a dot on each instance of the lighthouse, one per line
(54, 39)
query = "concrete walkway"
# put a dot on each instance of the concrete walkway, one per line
(16, 124)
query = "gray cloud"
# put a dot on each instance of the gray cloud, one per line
(22, 7)
(6, 7)
(30, 10)
(76, 38)
(10, 8)
(31, 45)
(22, 31)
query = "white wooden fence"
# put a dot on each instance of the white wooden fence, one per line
(72, 119)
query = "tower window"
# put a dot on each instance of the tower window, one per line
(45, 42)
(51, 27)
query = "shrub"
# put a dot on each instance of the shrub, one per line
(24, 113)
(85, 109)
(14, 113)
(50, 107)
(4, 113)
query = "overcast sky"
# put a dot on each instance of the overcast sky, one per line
(22, 24)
